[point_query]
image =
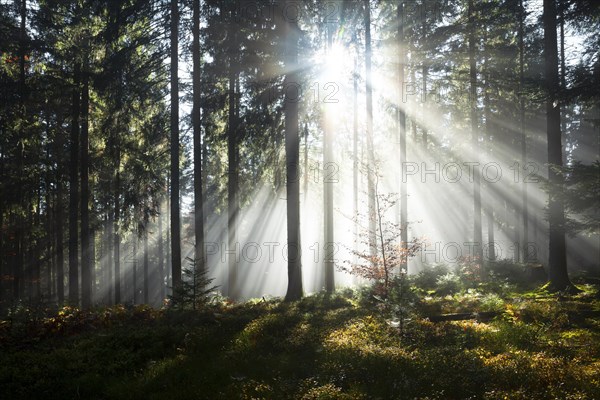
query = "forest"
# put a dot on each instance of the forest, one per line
(300, 199)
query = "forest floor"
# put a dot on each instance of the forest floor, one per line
(342, 346)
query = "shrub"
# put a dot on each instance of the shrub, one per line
(448, 284)
(428, 277)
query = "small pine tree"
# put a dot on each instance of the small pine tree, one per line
(195, 288)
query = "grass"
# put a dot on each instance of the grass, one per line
(323, 347)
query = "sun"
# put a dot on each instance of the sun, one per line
(339, 61)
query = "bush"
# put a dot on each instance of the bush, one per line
(427, 278)
(449, 283)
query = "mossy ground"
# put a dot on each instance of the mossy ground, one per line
(323, 347)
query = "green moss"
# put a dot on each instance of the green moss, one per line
(322, 347)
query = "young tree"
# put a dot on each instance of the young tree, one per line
(391, 254)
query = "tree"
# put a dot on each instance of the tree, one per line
(74, 192)
(391, 254)
(292, 157)
(198, 195)
(87, 257)
(232, 161)
(195, 288)
(370, 145)
(175, 212)
(557, 263)
(328, 184)
(477, 236)
(402, 132)
(524, 194)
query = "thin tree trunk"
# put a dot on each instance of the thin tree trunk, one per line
(146, 266)
(371, 169)
(198, 195)
(74, 194)
(3, 274)
(117, 235)
(168, 258)
(355, 163)
(524, 194)
(86, 281)
(20, 232)
(92, 258)
(175, 216)
(134, 278)
(59, 218)
(413, 106)
(402, 134)
(489, 207)
(161, 256)
(29, 253)
(424, 72)
(109, 259)
(563, 76)
(37, 251)
(557, 263)
(49, 226)
(328, 187)
(477, 236)
(305, 162)
(232, 180)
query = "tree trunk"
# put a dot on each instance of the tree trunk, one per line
(161, 257)
(305, 162)
(402, 135)
(86, 281)
(328, 187)
(292, 157)
(37, 251)
(117, 235)
(563, 76)
(168, 258)
(424, 72)
(489, 207)
(232, 180)
(371, 169)
(18, 269)
(524, 194)
(198, 195)
(134, 277)
(109, 259)
(477, 236)
(355, 164)
(74, 194)
(49, 218)
(413, 106)
(146, 266)
(557, 256)
(59, 218)
(175, 216)
(3, 274)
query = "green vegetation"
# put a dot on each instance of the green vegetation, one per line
(340, 346)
